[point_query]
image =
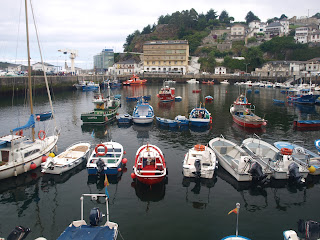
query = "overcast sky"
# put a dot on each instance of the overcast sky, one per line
(92, 25)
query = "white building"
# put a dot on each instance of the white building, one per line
(238, 31)
(315, 37)
(220, 70)
(127, 67)
(313, 66)
(285, 23)
(301, 35)
(47, 67)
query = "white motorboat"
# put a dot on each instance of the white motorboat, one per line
(237, 161)
(281, 165)
(192, 81)
(79, 229)
(67, 160)
(200, 161)
(226, 81)
(143, 113)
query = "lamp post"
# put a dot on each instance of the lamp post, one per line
(247, 66)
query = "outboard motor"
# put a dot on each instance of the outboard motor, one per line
(100, 166)
(310, 229)
(294, 173)
(257, 174)
(19, 233)
(197, 165)
(95, 216)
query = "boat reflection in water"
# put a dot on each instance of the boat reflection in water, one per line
(150, 193)
(279, 190)
(142, 130)
(96, 130)
(99, 179)
(166, 105)
(242, 129)
(198, 190)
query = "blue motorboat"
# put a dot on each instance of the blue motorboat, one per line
(143, 113)
(303, 96)
(124, 118)
(200, 117)
(183, 120)
(81, 230)
(167, 122)
(90, 86)
(43, 116)
(178, 99)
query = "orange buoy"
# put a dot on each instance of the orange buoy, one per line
(133, 176)
(119, 169)
(33, 166)
(286, 151)
(124, 161)
(44, 158)
(199, 147)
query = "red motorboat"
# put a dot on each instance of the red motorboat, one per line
(166, 94)
(243, 114)
(306, 123)
(134, 80)
(150, 167)
(208, 82)
(196, 91)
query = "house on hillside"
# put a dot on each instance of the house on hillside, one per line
(285, 23)
(238, 32)
(313, 66)
(281, 69)
(315, 37)
(274, 29)
(220, 70)
(301, 35)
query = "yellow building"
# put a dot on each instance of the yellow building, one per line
(166, 56)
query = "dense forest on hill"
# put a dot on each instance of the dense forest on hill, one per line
(194, 27)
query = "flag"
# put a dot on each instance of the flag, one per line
(92, 134)
(106, 183)
(233, 211)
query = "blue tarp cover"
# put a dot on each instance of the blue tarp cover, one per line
(88, 233)
(29, 124)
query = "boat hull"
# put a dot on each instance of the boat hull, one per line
(249, 124)
(142, 120)
(98, 117)
(306, 123)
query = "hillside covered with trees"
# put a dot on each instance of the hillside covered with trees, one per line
(194, 27)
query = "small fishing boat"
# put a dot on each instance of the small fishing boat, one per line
(134, 98)
(237, 236)
(80, 84)
(143, 112)
(302, 156)
(200, 117)
(208, 98)
(43, 116)
(192, 81)
(209, 82)
(243, 114)
(237, 161)
(276, 101)
(166, 94)
(134, 80)
(226, 82)
(279, 162)
(196, 90)
(106, 158)
(79, 229)
(90, 86)
(306, 123)
(309, 228)
(302, 96)
(183, 120)
(167, 122)
(178, 99)
(150, 166)
(200, 161)
(124, 118)
(67, 160)
(170, 81)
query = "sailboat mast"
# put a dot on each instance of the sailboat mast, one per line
(29, 66)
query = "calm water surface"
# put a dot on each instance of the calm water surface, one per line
(180, 209)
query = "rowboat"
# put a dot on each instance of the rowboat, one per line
(79, 229)
(43, 116)
(280, 162)
(167, 122)
(106, 158)
(200, 161)
(306, 123)
(237, 161)
(67, 160)
(150, 166)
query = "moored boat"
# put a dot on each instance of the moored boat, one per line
(167, 122)
(208, 98)
(134, 80)
(67, 160)
(192, 81)
(143, 112)
(237, 161)
(79, 229)
(200, 161)
(166, 94)
(43, 116)
(90, 86)
(279, 162)
(200, 117)
(306, 123)
(183, 120)
(302, 156)
(209, 82)
(150, 166)
(196, 90)
(226, 82)
(124, 118)
(106, 158)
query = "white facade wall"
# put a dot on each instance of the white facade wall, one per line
(47, 67)
(220, 70)
(285, 24)
(301, 35)
(315, 37)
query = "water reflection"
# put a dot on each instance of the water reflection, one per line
(97, 130)
(142, 130)
(241, 129)
(198, 191)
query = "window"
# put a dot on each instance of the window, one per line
(176, 62)
(27, 154)
(169, 62)
(153, 62)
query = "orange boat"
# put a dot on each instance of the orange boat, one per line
(134, 80)
(208, 82)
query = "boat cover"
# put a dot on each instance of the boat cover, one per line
(88, 233)
(30, 124)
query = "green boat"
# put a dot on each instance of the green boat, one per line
(105, 109)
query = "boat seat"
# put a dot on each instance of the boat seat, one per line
(233, 153)
(223, 150)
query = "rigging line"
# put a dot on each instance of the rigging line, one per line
(44, 72)
(15, 60)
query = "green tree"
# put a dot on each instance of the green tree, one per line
(317, 15)
(146, 30)
(282, 16)
(224, 17)
(254, 56)
(211, 14)
(251, 17)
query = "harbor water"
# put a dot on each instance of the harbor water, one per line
(180, 208)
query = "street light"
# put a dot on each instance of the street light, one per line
(246, 66)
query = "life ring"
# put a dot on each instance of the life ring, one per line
(101, 154)
(199, 147)
(286, 151)
(43, 135)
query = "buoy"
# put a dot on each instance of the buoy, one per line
(38, 117)
(312, 169)
(52, 155)
(133, 176)
(44, 158)
(119, 169)
(124, 161)
(264, 123)
(226, 91)
(33, 166)
(124, 152)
